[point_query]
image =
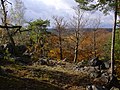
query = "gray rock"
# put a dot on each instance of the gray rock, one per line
(94, 87)
(107, 64)
(89, 87)
(2, 56)
(2, 71)
(9, 47)
(41, 62)
(21, 49)
(24, 60)
(113, 88)
(96, 62)
(1, 47)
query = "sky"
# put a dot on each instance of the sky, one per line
(45, 9)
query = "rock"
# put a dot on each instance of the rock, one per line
(9, 71)
(92, 69)
(89, 87)
(94, 87)
(41, 62)
(2, 71)
(105, 75)
(2, 56)
(24, 60)
(80, 66)
(96, 62)
(1, 48)
(113, 82)
(2, 52)
(18, 60)
(21, 49)
(100, 88)
(67, 87)
(107, 64)
(113, 88)
(93, 61)
(9, 47)
(95, 74)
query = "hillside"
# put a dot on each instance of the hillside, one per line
(42, 77)
(54, 75)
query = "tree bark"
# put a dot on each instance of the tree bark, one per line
(94, 43)
(113, 40)
(76, 51)
(5, 23)
(60, 46)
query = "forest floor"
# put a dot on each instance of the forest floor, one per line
(42, 77)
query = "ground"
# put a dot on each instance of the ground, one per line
(42, 77)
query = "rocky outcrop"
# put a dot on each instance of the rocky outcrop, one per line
(98, 71)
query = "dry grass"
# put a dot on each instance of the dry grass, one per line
(54, 76)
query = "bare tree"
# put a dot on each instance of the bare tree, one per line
(17, 12)
(5, 24)
(78, 23)
(95, 23)
(4, 20)
(60, 25)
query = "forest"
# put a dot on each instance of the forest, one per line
(75, 54)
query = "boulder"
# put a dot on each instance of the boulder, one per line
(80, 66)
(2, 56)
(89, 87)
(21, 49)
(96, 62)
(2, 71)
(113, 88)
(1, 48)
(107, 64)
(22, 60)
(41, 62)
(113, 82)
(95, 87)
(9, 47)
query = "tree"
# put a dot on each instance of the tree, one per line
(4, 19)
(78, 23)
(102, 5)
(17, 13)
(95, 25)
(5, 25)
(113, 39)
(60, 26)
(105, 6)
(117, 45)
(87, 44)
(38, 35)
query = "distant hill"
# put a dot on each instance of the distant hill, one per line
(70, 30)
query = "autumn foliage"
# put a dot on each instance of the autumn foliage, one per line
(85, 47)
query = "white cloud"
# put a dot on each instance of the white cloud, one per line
(58, 4)
(48, 8)
(45, 9)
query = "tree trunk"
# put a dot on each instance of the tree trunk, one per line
(113, 41)
(60, 46)
(5, 23)
(94, 43)
(76, 54)
(76, 50)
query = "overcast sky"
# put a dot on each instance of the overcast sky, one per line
(45, 9)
